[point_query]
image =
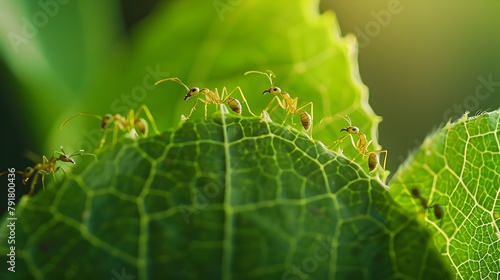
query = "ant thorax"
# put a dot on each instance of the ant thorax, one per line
(210, 96)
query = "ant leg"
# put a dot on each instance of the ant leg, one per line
(385, 157)
(62, 152)
(275, 106)
(115, 135)
(5, 172)
(33, 183)
(81, 113)
(269, 74)
(338, 141)
(54, 173)
(177, 80)
(145, 108)
(75, 153)
(103, 139)
(290, 108)
(269, 105)
(135, 123)
(345, 117)
(355, 145)
(129, 121)
(63, 170)
(354, 158)
(305, 105)
(194, 108)
(279, 104)
(282, 104)
(206, 107)
(286, 116)
(43, 173)
(45, 160)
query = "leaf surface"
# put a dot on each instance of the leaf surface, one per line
(458, 168)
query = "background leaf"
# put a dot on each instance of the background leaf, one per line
(214, 49)
(458, 168)
(228, 198)
(55, 77)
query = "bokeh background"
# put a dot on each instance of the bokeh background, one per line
(423, 64)
(422, 61)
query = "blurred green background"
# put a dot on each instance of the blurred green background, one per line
(422, 62)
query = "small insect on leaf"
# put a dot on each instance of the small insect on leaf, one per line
(438, 211)
(361, 145)
(126, 124)
(48, 166)
(211, 97)
(287, 103)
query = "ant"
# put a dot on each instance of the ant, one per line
(362, 143)
(130, 123)
(288, 104)
(438, 209)
(211, 97)
(47, 167)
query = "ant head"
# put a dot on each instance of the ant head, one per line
(192, 92)
(272, 90)
(66, 158)
(351, 130)
(27, 173)
(105, 121)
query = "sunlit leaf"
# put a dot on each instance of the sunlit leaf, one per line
(458, 168)
(214, 48)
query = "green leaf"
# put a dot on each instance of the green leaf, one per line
(305, 50)
(214, 48)
(227, 198)
(458, 168)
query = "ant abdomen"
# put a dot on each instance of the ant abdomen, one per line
(234, 104)
(305, 120)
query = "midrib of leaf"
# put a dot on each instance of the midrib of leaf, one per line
(228, 222)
